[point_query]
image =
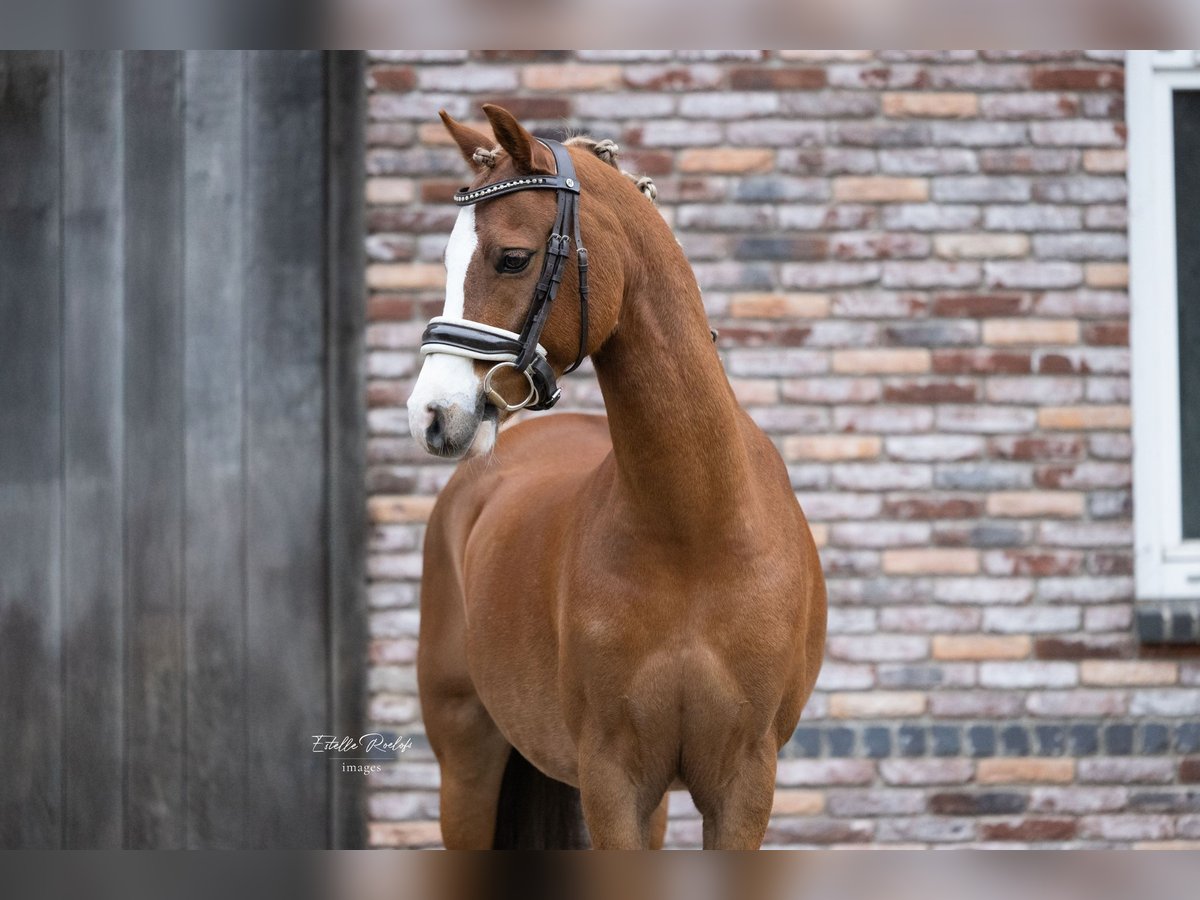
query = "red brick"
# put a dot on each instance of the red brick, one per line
(1084, 475)
(931, 392)
(932, 506)
(533, 107)
(1029, 830)
(391, 307)
(393, 78)
(1083, 648)
(763, 78)
(1092, 79)
(817, 831)
(1112, 334)
(387, 393)
(1086, 360)
(862, 245)
(979, 305)
(981, 362)
(875, 77)
(1038, 448)
(764, 336)
(426, 220)
(1189, 770)
(674, 78)
(1075, 799)
(1029, 160)
(1036, 563)
(647, 162)
(439, 191)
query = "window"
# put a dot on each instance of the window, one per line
(1163, 112)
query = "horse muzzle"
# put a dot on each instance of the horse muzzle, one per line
(450, 430)
(446, 406)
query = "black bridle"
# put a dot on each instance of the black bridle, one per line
(476, 340)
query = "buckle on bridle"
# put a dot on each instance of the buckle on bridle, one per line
(497, 398)
(559, 245)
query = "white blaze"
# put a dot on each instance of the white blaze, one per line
(459, 250)
(446, 378)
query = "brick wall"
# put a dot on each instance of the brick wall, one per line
(918, 266)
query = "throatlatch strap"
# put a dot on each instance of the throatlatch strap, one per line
(582, 262)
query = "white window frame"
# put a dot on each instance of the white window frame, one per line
(1167, 567)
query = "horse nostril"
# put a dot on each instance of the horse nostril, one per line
(435, 433)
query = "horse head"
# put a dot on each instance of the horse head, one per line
(499, 264)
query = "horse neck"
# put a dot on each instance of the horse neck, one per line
(675, 424)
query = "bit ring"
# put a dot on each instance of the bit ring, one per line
(497, 399)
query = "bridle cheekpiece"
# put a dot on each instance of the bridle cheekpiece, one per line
(477, 340)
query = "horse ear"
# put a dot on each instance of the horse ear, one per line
(528, 154)
(468, 139)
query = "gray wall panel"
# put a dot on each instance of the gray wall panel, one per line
(181, 510)
(30, 450)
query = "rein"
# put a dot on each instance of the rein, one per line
(522, 352)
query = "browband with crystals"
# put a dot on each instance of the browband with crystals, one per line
(522, 352)
(466, 196)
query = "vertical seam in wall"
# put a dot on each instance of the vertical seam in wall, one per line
(332, 358)
(125, 679)
(62, 450)
(244, 60)
(181, 275)
(122, 640)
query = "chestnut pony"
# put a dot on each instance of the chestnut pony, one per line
(615, 607)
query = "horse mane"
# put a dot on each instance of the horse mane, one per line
(607, 151)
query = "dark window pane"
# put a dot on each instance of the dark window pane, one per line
(1187, 231)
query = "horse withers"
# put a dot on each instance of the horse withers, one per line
(611, 608)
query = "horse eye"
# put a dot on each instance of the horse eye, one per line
(514, 261)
